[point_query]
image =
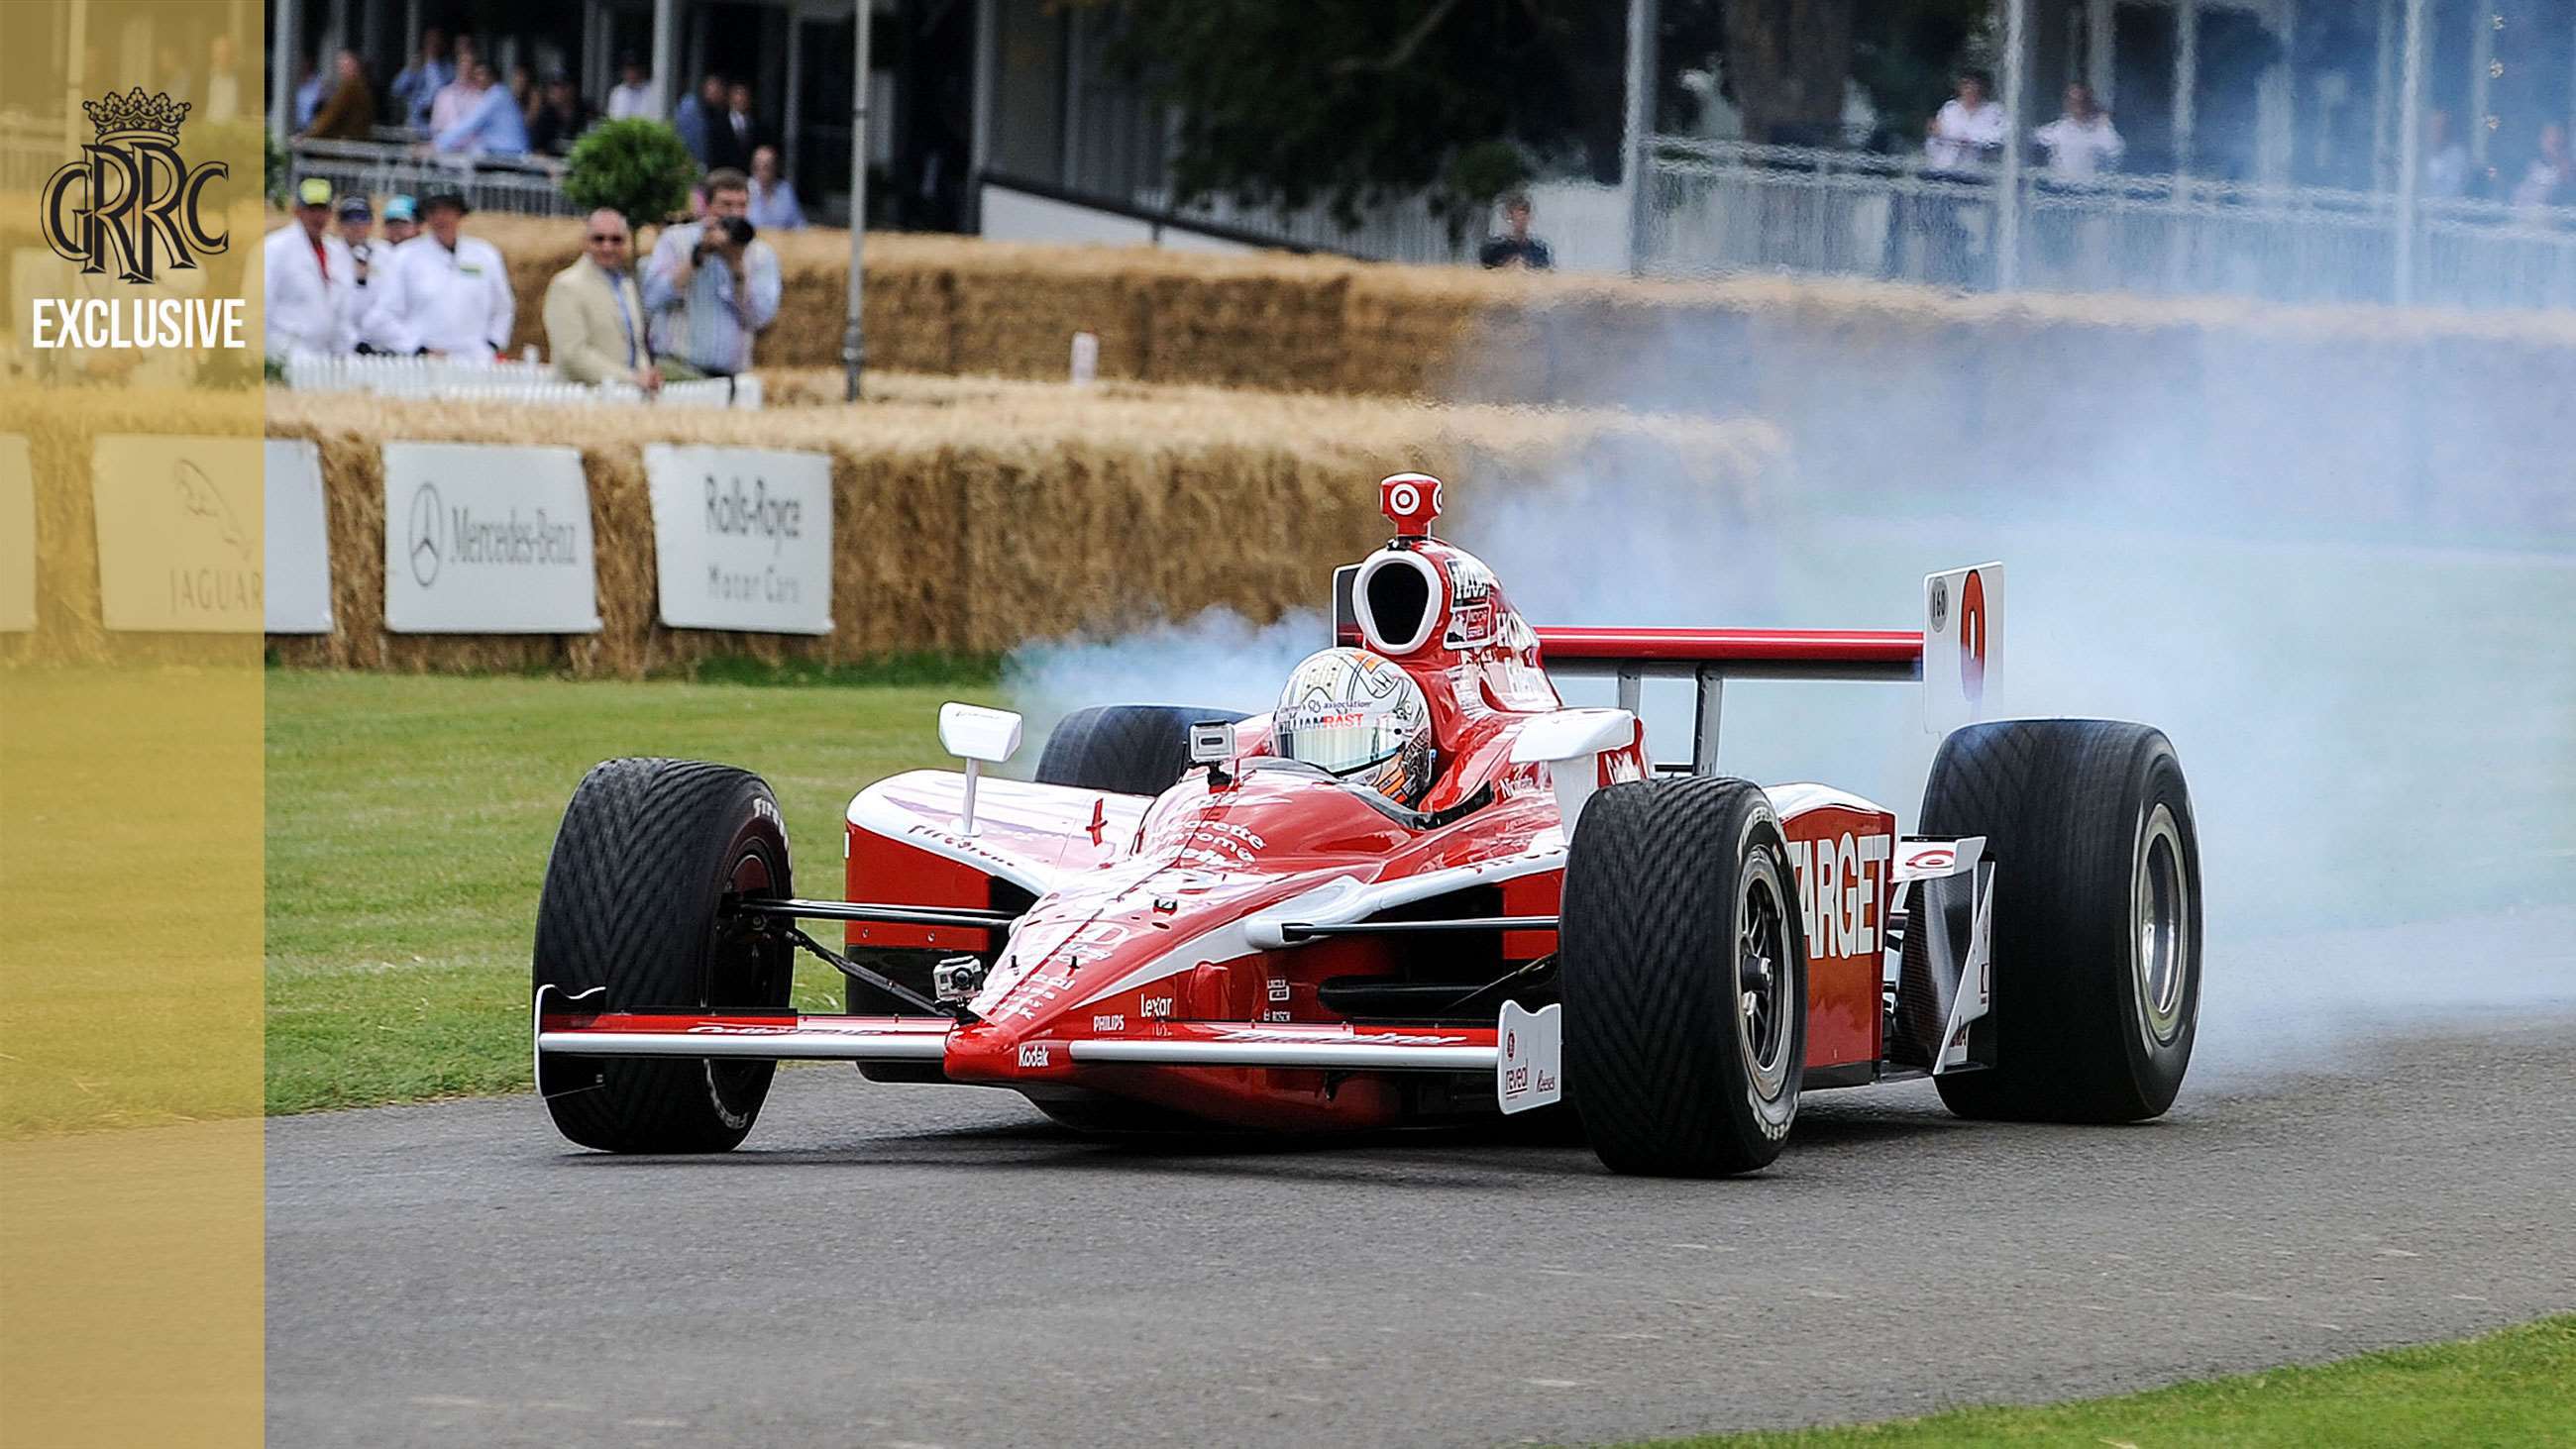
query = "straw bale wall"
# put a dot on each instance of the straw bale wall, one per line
(970, 516)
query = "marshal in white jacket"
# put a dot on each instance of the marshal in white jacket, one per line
(305, 312)
(456, 302)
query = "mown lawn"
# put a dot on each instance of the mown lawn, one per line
(2510, 1388)
(408, 823)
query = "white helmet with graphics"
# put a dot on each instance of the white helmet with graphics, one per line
(1357, 715)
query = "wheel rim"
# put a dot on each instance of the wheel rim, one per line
(2160, 930)
(736, 970)
(1763, 1000)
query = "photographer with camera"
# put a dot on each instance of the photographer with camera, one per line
(711, 286)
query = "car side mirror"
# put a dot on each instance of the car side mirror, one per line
(980, 737)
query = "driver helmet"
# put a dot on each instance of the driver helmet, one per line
(1357, 715)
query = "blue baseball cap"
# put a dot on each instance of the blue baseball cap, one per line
(402, 208)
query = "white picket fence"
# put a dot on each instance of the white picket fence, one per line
(505, 380)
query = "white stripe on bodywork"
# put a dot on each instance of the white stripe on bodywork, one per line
(1334, 902)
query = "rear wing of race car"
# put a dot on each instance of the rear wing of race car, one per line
(1948, 654)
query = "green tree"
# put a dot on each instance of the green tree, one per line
(637, 168)
(1348, 102)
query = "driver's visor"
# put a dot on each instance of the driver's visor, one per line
(1336, 736)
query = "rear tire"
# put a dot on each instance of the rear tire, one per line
(2097, 941)
(646, 851)
(1684, 972)
(1124, 749)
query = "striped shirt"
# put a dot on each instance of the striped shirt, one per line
(711, 324)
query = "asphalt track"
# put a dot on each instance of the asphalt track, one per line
(928, 1265)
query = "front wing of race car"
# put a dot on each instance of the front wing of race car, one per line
(1523, 1049)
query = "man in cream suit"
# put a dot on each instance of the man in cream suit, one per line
(595, 312)
(312, 281)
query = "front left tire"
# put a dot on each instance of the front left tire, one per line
(646, 853)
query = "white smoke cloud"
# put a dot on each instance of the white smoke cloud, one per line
(2379, 730)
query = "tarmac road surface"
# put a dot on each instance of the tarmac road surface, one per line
(939, 1265)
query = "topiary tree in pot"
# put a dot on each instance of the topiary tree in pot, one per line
(635, 167)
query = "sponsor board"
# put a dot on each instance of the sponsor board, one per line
(178, 533)
(742, 538)
(295, 540)
(17, 537)
(487, 540)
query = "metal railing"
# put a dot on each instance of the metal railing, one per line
(525, 186)
(1719, 207)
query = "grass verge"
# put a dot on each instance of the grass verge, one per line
(2514, 1387)
(408, 823)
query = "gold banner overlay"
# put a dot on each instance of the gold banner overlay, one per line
(130, 723)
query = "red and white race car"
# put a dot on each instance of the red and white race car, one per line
(1421, 890)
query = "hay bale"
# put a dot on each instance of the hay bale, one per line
(970, 516)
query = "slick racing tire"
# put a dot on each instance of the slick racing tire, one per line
(646, 851)
(2096, 943)
(1125, 749)
(1684, 971)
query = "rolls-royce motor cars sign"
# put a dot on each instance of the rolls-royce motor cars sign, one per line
(743, 538)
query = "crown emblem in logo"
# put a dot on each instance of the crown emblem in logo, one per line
(136, 114)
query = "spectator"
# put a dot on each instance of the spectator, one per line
(308, 94)
(420, 82)
(2081, 143)
(223, 81)
(459, 95)
(494, 127)
(350, 114)
(2550, 179)
(562, 115)
(773, 197)
(734, 134)
(523, 90)
(1516, 247)
(1969, 128)
(311, 281)
(2446, 161)
(632, 96)
(695, 118)
(712, 286)
(595, 312)
(445, 294)
(357, 229)
(401, 223)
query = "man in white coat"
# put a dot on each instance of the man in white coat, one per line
(312, 281)
(446, 294)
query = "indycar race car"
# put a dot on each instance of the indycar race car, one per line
(1421, 890)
